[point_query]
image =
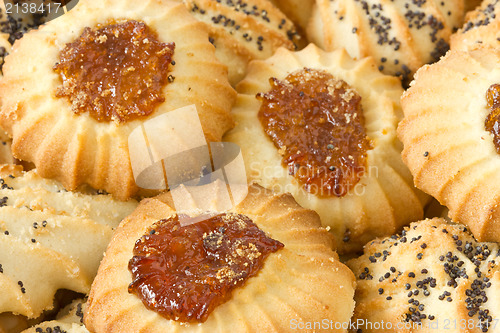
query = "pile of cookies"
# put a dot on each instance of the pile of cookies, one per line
(366, 199)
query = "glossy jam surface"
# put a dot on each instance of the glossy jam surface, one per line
(317, 123)
(115, 72)
(185, 272)
(492, 122)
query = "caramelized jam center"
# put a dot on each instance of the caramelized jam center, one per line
(115, 72)
(184, 273)
(492, 122)
(317, 123)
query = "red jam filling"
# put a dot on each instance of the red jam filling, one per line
(317, 123)
(185, 272)
(115, 72)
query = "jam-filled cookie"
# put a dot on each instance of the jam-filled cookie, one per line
(401, 35)
(481, 28)
(244, 30)
(74, 89)
(451, 137)
(434, 276)
(264, 266)
(50, 239)
(322, 126)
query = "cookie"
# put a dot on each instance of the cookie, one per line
(272, 276)
(72, 116)
(322, 127)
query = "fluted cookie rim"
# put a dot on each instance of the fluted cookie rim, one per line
(30, 111)
(381, 91)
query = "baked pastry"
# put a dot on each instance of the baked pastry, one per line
(450, 141)
(271, 279)
(481, 28)
(73, 124)
(243, 31)
(400, 35)
(8, 32)
(299, 11)
(12, 27)
(19, 16)
(50, 239)
(434, 276)
(69, 320)
(348, 168)
(5, 148)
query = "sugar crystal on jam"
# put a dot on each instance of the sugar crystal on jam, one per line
(185, 272)
(317, 123)
(115, 72)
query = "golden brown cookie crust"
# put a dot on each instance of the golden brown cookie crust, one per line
(481, 28)
(400, 35)
(291, 284)
(50, 239)
(245, 31)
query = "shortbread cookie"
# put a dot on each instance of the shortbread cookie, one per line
(330, 141)
(12, 323)
(264, 266)
(70, 96)
(50, 239)
(299, 11)
(432, 274)
(401, 35)
(481, 28)
(69, 320)
(5, 148)
(242, 31)
(5, 142)
(450, 136)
